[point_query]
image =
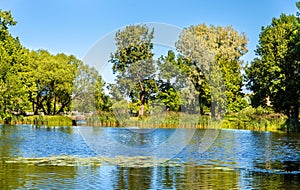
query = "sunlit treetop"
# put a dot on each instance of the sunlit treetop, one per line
(6, 20)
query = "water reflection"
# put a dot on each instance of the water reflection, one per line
(236, 160)
(9, 141)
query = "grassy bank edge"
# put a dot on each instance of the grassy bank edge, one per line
(55, 120)
(257, 122)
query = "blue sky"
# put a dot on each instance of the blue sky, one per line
(73, 26)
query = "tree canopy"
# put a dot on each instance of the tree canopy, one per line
(208, 61)
(52, 88)
(133, 64)
(88, 93)
(37, 81)
(221, 49)
(275, 73)
(13, 69)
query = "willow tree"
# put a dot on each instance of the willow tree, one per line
(227, 46)
(275, 73)
(133, 64)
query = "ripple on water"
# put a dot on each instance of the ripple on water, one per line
(243, 159)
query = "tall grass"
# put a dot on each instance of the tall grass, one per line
(163, 120)
(249, 118)
(56, 120)
(254, 119)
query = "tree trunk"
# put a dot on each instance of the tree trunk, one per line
(48, 107)
(54, 109)
(44, 110)
(296, 118)
(33, 110)
(36, 108)
(296, 113)
(142, 99)
(32, 101)
(63, 106)
(141, 111)
(4, 107)
(201, 109)
(213, 110)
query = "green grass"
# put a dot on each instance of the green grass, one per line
(254, 119)
(249, 118)
(166, 120)
(56, 120)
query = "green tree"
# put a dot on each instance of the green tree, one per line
(275, 73)
(198, 43)
(13, 69)
(39, 79)
(52, 89)
(88, 94)
(174, 77)
(197, 63)
(167, 76)
(133, 64)
(6, 20)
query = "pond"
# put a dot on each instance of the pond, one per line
(65, 158)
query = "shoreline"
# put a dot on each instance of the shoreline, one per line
(172, 120)
(164, 126)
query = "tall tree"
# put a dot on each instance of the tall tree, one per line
(133, 64)
(168, 73)
(227, 47)
(52, 89)
(13, 69)
(176, 79)
(88, 94)
(39, 79)
(275, 73)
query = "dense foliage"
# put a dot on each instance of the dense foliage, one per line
(221, 47)
(133, 64)
(33, 82)
(275, 74)
(14, 69)
(208, 61)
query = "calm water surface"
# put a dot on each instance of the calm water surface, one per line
(59, 158)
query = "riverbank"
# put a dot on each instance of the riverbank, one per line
(55, 120)
(249, 119)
